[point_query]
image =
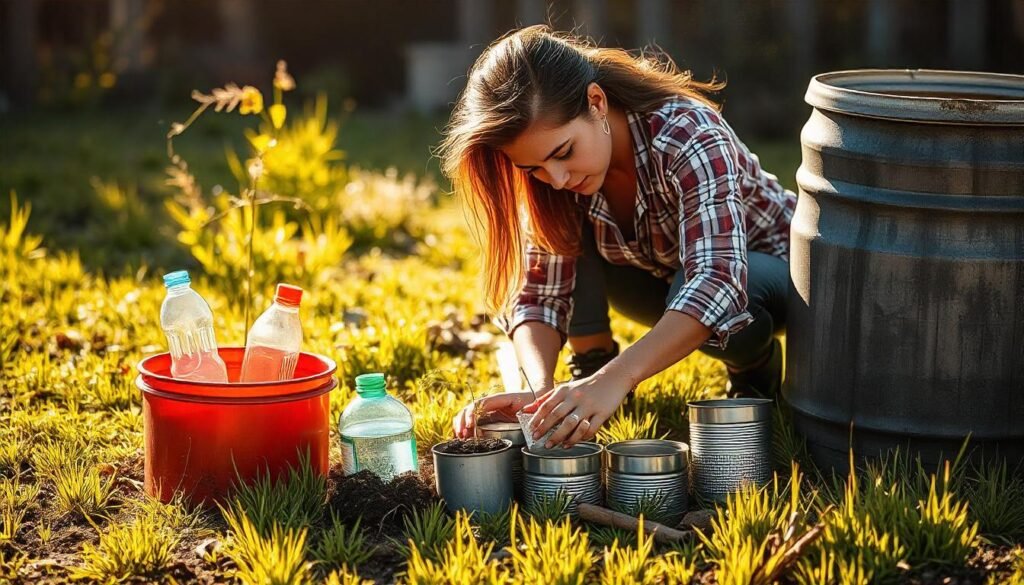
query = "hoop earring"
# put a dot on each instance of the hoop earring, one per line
(606, 127)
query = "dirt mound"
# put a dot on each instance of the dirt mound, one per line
(380, 504)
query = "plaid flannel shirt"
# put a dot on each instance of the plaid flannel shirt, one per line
(702, 202)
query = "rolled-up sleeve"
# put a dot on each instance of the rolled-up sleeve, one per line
(546, 295)
(712, 234)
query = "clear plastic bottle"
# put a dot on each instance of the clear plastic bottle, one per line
(188, 323)
(376, 431)
(273, 345)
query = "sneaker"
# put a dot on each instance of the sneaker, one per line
(584, 365)
(764, 381)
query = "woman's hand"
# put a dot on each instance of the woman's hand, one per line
(578, 409)
(497, 408)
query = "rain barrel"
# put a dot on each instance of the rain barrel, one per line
(906, 311)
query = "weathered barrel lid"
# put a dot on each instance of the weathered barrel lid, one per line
(921, 95)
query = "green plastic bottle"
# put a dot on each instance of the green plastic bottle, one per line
(376, 431)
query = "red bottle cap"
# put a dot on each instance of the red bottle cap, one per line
(288, 295)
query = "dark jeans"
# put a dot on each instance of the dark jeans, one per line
(642, 297)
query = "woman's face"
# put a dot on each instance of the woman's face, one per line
(574, 156)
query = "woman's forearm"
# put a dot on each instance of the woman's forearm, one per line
(537, 346)
(675, 336)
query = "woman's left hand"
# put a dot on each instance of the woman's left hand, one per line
(578, 409)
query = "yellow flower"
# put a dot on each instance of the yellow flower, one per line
(282, 80)
(252, 100)
(107, 80)
(261, 142)
(277, 115)
(255, 167)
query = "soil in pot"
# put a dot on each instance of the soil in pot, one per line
(470, 446)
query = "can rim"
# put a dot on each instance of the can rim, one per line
(647, 456)
(153, 381)
(580, 459)
(876, 93)
(729, 410)
(433, 449)
(501, 430)
(500, 426)
(148, 390)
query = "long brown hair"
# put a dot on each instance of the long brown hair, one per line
(527, 74)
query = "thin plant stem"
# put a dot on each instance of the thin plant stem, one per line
(249, 271)
(177, 129)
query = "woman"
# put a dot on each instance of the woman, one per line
(595, 179)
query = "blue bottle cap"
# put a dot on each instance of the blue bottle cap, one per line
(176, 278)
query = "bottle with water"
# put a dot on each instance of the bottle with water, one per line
(272, 349)
(188, 323)
(376, 432)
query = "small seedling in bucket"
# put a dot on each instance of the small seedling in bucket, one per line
(478, 408)
(476, 444)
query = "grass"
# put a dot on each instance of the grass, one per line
(427, 532)
(142, 548)
(342, 547)
(749, 539)
(626, 565)
(80, 489)
(16, 499)
(463, 560)
(74, 322)
(276, 557)
(606, 536)
(651, 506)
(294, 501)
(545, 507)
(549, 552)
(495, 527)
(623, 426)
(996, 497)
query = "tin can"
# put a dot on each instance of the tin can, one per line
(575, 471)
(648, 469)
(514, 433)
(730, 443)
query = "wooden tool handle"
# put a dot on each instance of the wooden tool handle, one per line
(661, 533)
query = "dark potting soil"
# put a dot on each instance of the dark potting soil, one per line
(379, 504)
(470, 446)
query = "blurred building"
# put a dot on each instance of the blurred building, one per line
(415, 53)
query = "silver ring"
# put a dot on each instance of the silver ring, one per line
(575, 418)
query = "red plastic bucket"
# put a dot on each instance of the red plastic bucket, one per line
(202, 437)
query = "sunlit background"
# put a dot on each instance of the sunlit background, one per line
(88, 88)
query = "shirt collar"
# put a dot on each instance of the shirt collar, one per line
(597, 203)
